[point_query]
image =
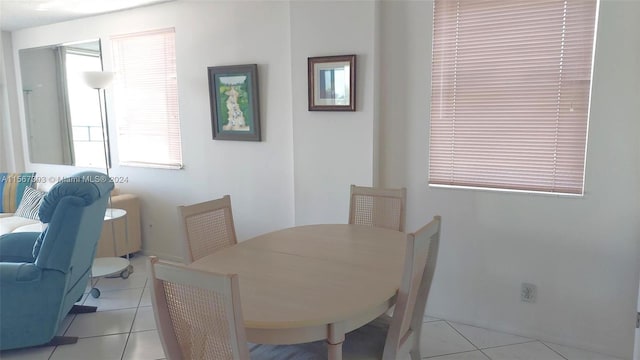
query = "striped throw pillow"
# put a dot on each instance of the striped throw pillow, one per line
(12, 187)
(30, 204)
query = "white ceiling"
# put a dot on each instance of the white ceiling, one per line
(20, 14)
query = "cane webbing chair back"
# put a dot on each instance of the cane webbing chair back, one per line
(378, 207)
(207, 227)
(197, 313)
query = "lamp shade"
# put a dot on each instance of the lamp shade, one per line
(97, 79)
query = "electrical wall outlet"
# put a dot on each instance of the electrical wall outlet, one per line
(528, 293)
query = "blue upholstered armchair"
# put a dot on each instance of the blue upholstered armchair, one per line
(43, 274)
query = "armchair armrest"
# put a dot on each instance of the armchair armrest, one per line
(18, 273)
(17, 247)
(29, 295)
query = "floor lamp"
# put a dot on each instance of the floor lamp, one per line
(98, 80)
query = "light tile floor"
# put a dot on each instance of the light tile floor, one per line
(123, 328)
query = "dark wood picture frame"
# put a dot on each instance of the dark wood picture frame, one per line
(235, 106)
(332, 83)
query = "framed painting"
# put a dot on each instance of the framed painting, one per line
(235, 107)
(332, 83)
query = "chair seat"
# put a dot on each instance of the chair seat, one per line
(365, 343)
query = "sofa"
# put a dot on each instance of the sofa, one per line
(10, 223)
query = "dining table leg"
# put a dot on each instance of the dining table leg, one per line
(335, 339)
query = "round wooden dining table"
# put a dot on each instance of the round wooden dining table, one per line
(313, 282)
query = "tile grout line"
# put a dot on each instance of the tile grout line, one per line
(124, 350)
(562, 356)
(453, 353)
(456, 330)
(495, 347)
(457, 352)
(518, 343)
(424, 321)
(69, 326)
(485, 354)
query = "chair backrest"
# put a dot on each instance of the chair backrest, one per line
(197, 313)
(207, 227)
(74, 210)
(378, 207)
(420, 264)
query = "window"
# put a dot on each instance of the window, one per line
(510, 94)
(84, 106)
(146, 99)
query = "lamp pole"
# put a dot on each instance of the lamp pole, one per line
(98, 80)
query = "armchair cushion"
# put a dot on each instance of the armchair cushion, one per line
(17, 247)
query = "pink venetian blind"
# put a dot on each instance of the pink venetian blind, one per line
(146, 94)
(510, 93)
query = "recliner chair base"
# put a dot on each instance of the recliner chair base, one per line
(83, 309)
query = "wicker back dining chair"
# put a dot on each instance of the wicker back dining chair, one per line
(420, 263)
(197, 313)
(207, 227)
(378, 207)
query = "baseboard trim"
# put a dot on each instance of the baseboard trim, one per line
(163, 256)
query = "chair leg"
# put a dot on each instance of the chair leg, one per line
(83, 309)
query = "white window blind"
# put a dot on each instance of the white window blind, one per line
(146, 99)
(510, 93)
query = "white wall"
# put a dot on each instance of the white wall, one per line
(332, 149)
(258, 175)
(582, 253)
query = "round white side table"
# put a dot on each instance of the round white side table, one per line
(108, 266)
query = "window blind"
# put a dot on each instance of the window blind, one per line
(146, 99)
(510, 93)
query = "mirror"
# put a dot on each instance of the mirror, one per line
(63, 114)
